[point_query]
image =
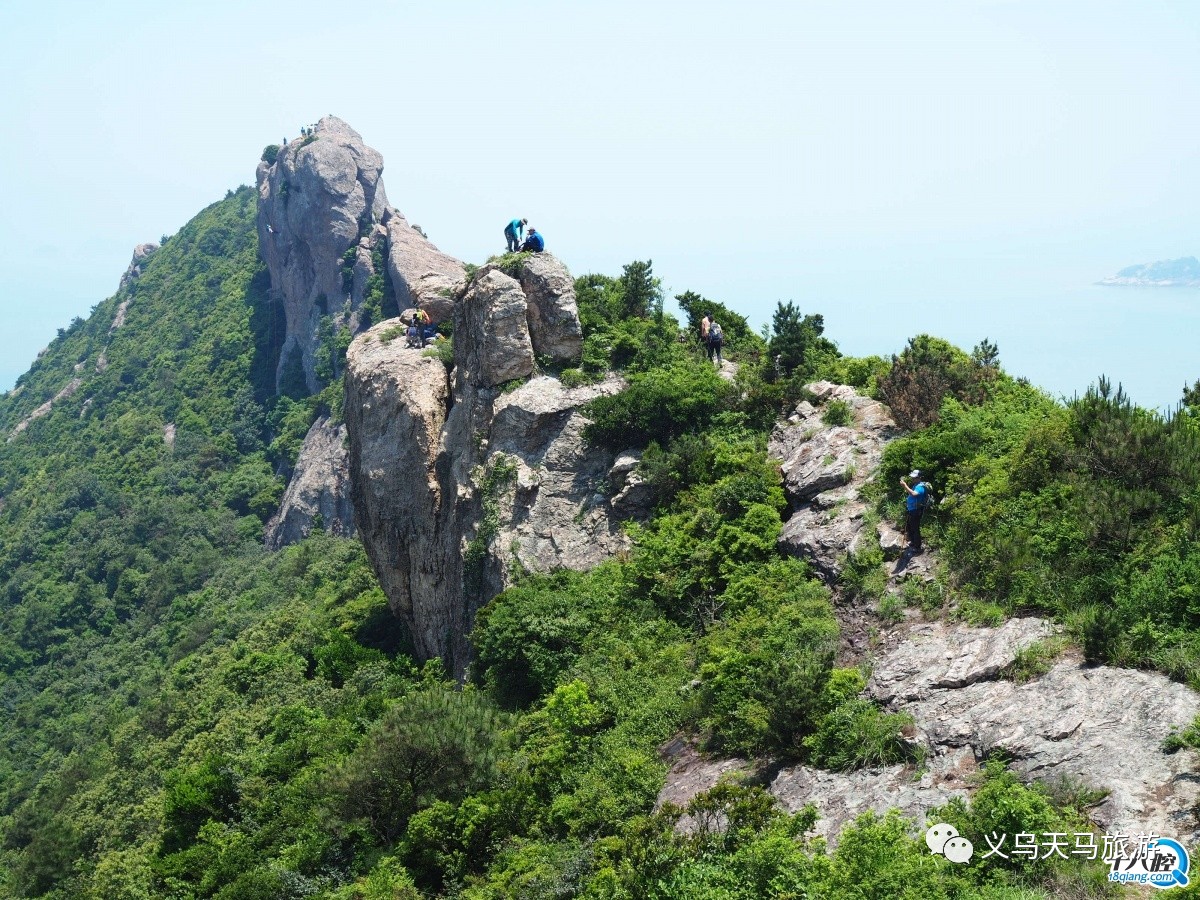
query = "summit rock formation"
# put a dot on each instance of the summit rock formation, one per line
(463, 479)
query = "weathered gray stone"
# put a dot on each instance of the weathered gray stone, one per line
(560, 514)
(1096, 726)
(319, 486)
(68, 390)
(824, 467)
(315, 203)
(1100, 726)
(423, 276)
(396, 405)
(937, 656)
(421, 475)
(141, 255)
(823, 537)
(553, 314)
(491, 331)
(842, 796)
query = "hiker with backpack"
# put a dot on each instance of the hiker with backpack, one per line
(716, 339)
(914, 508)
(512, 234)
(535, 243)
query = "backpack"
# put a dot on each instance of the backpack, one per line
(715, 334)
(927, 497)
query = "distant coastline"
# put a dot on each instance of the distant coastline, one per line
(1183, 272)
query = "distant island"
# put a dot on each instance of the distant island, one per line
(1183, 272)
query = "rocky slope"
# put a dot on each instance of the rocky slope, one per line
(318, 493)
(458, 483)
(1095, 726)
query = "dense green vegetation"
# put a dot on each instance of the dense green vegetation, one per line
(188, 716)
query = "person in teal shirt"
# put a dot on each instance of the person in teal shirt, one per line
(512, 234)
(914, 508)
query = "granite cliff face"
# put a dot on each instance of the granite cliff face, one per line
(326, 231)
(320, 198)
(318, 493)
(458, 483)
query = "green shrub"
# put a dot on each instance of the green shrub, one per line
(530, 634)
(856, 734)
(572, 378)
(659, 405)
(270, 154)
(929, 370)
(195, 796)
(762, 675)
(837, 412)
(387, 881)
(1035, 660)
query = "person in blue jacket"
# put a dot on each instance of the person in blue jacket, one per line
(512, 233)
(534, 242)
(914, 508)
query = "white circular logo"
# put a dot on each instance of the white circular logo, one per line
(958, 849)
(937, 836)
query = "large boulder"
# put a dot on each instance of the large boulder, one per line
(141, 256)
(558, 511)
(320, 197)
(460, 486)
(492, 343)
(318, 493)
(553, 313)
(422, 276)
(396, 405)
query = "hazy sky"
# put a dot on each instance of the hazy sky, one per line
(964, 168)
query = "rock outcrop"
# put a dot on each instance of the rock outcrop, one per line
(553, 313)
(320, 199)
(423, 276)
(141, 254)
(824, 468)
(318, 493)
(460, 481)
(493, 331)
(1098, 727)
(328, 235)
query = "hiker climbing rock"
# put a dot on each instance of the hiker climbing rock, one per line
(705, 324)
(534, 242)
(512, 234)
(914, 508)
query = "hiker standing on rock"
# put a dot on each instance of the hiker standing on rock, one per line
(914, 507)
(512, 234)
(716, 339)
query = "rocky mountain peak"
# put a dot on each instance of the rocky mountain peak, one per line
(319, 197)
(460, 480)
